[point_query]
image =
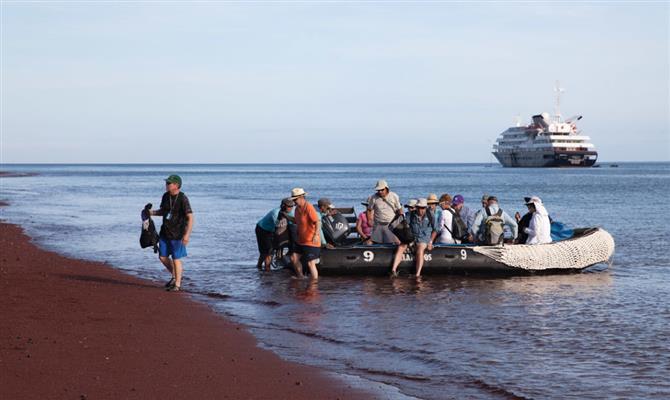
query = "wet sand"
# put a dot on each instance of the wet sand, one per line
(73, 329)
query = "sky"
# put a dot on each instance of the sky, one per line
(331, 82)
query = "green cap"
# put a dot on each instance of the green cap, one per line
(173, 179)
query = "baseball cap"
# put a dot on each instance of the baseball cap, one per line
(173, 179)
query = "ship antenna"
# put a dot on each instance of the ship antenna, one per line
(558, 89)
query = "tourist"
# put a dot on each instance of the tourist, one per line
(539, 229)
(433, 209)
(446, 221)
(423, 227)
(467, 215)
(308, 243)
(176, 230)
(383, 206)
(489, 224)
(265, 230)
(363, 226)
(324, 205)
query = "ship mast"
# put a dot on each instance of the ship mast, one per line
(558, 89)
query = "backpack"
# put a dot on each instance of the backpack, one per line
(400, 227)
(149, 236)
(335, 228)
(282, 233)
(459, 230)
(493, 227)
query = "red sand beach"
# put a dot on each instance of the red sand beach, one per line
(73, 329)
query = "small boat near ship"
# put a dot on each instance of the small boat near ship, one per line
(585, 248)
(548, 141)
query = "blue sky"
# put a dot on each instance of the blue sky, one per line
(223, 82)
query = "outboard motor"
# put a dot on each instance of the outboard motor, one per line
(335, 228)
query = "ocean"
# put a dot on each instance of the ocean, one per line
(602, 333)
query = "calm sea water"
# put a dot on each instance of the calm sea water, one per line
(603, 333)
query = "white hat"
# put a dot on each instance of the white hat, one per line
(381, 185)
(422, 203)
(297, 192)
(534, 200)
(432, 199)
(411, 203)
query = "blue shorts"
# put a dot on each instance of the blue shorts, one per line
(174, 248)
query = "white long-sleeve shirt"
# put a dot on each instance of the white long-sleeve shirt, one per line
(539, 229)
(446, 219)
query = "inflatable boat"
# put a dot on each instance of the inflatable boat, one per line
(586, 247)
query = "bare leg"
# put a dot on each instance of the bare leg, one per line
(167, 262)
(297, 266)
(312, 270)
(268, 262)
(418, 260)
(398, 257)
(177, 272)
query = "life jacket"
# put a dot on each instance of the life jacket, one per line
(335, 228)
(494, 227)
(149, 236)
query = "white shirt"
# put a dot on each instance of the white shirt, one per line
(446, 220)
(539, 229)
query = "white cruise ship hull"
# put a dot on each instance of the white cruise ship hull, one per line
(542, 159)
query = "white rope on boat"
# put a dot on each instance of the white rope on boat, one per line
(592, 248)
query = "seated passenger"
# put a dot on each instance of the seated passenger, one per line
(466, 214)
(423, 228)
(363, 227)
(489, 225)
(539, 229)
(446, 221)
(335, 226)
(410, 206)
(433, 208)
(323, 205)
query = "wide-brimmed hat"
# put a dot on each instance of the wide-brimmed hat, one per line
(287, 202)
(173, 179)
(458, 199)
(324, 202)
(485, 197)
(422, 203)
(533, 200)
(411, 203)
(381, 185)
(297, 192)
(432, 199)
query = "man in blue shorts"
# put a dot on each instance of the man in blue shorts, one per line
(176, 230)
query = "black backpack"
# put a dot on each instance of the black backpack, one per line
(459, 229)
(400, 227)
(282, 234)
(149, 236)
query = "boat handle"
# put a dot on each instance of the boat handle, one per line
(351, 257)
(449, 256)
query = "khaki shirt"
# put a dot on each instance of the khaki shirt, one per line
(384, 209)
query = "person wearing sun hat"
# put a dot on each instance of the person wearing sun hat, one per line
(383, 206)
(175, 231)
(433, 208)
(308, 242)
(423, 228)
(539, 228)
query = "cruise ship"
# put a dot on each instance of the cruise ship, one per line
(548, 141)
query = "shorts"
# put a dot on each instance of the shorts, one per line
(264, 241)
(309, 253)
(174, 248)
(383, 234)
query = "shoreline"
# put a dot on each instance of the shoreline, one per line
(82, 329)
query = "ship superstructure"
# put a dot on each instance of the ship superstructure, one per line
(548, 141)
